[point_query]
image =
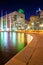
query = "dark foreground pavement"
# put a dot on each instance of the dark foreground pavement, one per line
(32, 54)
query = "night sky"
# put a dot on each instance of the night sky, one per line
(29, 6)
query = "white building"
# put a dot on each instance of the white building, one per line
(12, 21)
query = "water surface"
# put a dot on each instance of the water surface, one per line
(10, 44)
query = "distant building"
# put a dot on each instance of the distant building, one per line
(34, 23)
(41, 14)
(18, 20)
(33, 18)
(12, 21)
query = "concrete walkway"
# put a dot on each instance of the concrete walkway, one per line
(32, 54)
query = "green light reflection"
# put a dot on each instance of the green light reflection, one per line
(20, 41)
(14, 38)
(2, 40)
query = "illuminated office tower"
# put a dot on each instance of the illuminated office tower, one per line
(12, 21)
(0, 23)
(38, 14)
(1, 20)
(6, 20)
(41, 20)
(33, 22)
(41, 14)
(21, 19)
(17, 20)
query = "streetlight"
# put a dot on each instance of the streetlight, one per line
(32, 23)
(41, 25)
(28, 28)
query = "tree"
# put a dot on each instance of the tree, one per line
(21, 11)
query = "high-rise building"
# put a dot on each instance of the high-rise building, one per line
(33, 18)
(41, 14)
(33, 22)
(12, 21)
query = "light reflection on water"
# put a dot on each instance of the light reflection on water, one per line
(21, 40)
(11, 43)
(11, 40)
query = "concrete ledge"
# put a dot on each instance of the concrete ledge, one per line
(22, 57)
(15, 62)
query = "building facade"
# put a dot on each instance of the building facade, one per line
(12, 21)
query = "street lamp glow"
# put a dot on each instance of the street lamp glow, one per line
(39, 9)
(28, 28)
(29, 38)
(32, 23)
(41, 25)
(7, 29)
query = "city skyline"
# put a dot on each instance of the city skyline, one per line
(16, 21)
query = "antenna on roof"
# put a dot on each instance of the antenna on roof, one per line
(39, 9)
